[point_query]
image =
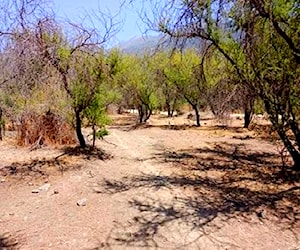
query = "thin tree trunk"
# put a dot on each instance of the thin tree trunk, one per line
(169, 110)
(141, 113)
(296, 160)
(94, 135)
(173, 107)
(295, 129)
(212, 109)
(197, 116)
(79, 134)
(1, 124)
(247, 117)
(148, 114)
(248, 111)
(295, 154)
(290, 147)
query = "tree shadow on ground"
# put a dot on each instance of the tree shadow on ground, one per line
(38, 168)
(7, 242)
(130, 122)
(87, 153)
(70, 159)
(164, 127)
(216, 128)
(214, 185)
(124, 122)
(134, 125)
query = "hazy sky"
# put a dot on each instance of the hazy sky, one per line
(76, 9)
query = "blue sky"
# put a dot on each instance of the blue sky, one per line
(76, 9)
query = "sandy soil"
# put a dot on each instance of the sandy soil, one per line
(161, 186)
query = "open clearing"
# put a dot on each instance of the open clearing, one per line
(160, 186)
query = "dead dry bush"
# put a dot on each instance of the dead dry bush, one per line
(266, 132)
(47, 129)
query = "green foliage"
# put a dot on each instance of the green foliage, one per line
(101, 133)
(184, 72)
(136, 81)
(260, 39)
(95, 113)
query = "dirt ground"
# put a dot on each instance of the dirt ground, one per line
(165, 185)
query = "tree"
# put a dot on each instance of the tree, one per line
(261, 41)
(1, 123)
(222, 88)
(186, 72)
(274, 62)
(166, 89)
(84, 78)
(79, 61)
(24, 73)
(136, 79)
(96, 116)
(42, 46)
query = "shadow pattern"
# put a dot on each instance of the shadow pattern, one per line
(7, 242)
(87, 153)
(45, 167)
(215, 185)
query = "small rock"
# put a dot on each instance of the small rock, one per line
(81, 202)
(261, 214)
(11, 214)
(2, 180)
(55, 191)
(97, 190)
(30, 183)
(35, 191)
(45, 187)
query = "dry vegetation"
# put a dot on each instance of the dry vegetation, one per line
(47, 129)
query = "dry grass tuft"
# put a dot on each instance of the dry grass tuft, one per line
(47, 129)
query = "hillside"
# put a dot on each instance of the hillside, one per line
(139, 45)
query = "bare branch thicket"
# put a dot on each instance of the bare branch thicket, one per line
(21, 15)
(42, 47)
(18, 46)
(17, 23)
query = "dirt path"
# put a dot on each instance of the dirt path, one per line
(47, 220)
(146, 197)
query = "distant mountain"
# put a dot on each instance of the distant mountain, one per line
(140, 45)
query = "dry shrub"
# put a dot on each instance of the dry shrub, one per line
(223, 118)
(264, 131)
(46, 129)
